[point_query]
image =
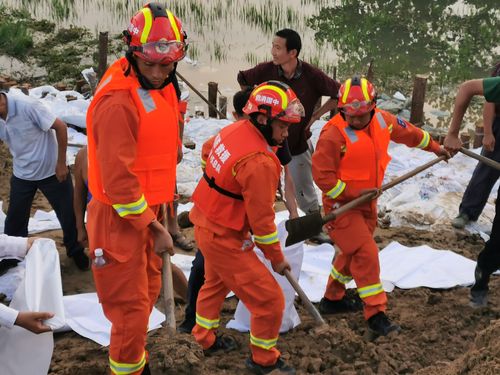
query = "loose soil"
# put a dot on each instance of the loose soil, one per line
(440, 334)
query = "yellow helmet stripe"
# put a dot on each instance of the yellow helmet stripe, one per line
(284, 98)
(171, 18)
(346, 90)
(148, 22)
(364, 88)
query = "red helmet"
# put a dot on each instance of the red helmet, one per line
(356, 96)
(276, 100)
(155, 35)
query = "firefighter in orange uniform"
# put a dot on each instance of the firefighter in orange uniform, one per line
(132, 128)
(236, 195)
(350, 160)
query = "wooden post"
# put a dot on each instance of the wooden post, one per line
(103, 53)
(478, 135)
(212, 98)
(223, 107)
(418, 99)
(369, 74)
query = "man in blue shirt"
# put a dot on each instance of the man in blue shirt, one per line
(37, 141)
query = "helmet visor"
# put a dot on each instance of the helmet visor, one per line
(357, 108)
(161, 52)
(294, 112)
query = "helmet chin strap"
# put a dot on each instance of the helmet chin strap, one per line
(145, 83)
(266, 129)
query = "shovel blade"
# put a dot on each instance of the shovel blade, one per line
(302, 228)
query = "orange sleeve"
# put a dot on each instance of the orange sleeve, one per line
(205, 150)
(408, 134)
(116, 126)
(258, 177)
(325, 163)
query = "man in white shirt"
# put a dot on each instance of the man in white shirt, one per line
(30, 320)
(37, 140)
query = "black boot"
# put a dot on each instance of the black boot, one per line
(346, 304)
(280, 367)
(222, 344)
(380, 325)
(479, 291)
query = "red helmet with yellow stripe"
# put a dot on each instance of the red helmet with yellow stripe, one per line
(277, 101)
(356, 96)
(155, 35)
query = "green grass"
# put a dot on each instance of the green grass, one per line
(16, 40)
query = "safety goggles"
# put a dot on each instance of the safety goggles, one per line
(294, 111)
(357, 108)
(161, 52)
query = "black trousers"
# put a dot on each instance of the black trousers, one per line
(488, 259)
(482, 180)
(195, 282)
(60, 197)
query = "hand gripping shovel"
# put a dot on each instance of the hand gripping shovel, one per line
(489, 162)
(302, 228)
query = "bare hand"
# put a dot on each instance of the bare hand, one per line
(162, 239)
(452, 144)
(489, 142)
(83, 238)
(33, 321)
(61, 172)
(443, 152)
(281, 267)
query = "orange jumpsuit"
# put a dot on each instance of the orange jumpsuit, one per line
(230, 263)
(132, 149)
(346, 162)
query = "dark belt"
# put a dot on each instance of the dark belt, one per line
(211, 182)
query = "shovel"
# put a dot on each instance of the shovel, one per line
(168, 287)
(303, 297)
(489, 162)
(302, 228)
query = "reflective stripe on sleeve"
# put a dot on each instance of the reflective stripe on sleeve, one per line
(337, 189)
(425, 140)
(267, 239)
(134, 208)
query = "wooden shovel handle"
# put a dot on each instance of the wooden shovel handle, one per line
(303, 297)
(483, 159)
(369, 196)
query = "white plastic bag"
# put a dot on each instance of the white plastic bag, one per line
(23, 352)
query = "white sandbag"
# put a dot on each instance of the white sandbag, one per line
(291, 319)
(85, 316)
(23, 352)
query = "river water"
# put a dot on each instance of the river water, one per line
(447, 39)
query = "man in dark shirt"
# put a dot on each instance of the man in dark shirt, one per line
(310, 84)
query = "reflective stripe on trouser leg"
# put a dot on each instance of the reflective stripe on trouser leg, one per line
(244, 274)
(339, 276)
(365, 270)
(120, 368)
(126, 288)
(211, 295)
